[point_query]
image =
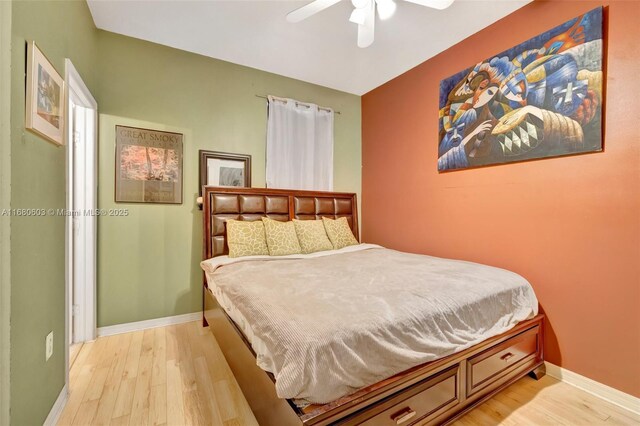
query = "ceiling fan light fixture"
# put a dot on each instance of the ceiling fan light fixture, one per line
(386, 8)
(358, 16)
(364, 13)
(442, 4)
(434, 4)
(360, 4)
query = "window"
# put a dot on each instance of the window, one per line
(299, 145)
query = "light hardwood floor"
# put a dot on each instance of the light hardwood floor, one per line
(177, 375)
(172, 375)
(74, 350)
(547, 402)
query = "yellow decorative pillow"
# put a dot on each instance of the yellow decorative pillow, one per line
(339, 232)
(246, 238)
(281, 237)
(312, 236)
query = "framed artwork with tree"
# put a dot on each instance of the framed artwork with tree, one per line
(148, 166)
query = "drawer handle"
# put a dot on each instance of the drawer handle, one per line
(402, 416)
(506, 357)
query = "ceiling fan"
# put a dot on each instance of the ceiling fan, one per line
(364, 13)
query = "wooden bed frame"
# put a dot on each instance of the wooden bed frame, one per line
(436, 392)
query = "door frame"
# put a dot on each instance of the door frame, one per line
(81, 218)
(5, 202)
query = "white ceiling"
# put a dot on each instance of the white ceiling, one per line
(320, 50)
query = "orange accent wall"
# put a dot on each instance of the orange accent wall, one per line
(570, 225)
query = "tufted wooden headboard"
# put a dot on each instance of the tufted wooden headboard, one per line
(221, 204)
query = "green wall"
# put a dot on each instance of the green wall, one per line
(61, 29)
(5, 202)
(148, 261)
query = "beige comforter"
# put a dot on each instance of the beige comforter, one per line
(331, 324)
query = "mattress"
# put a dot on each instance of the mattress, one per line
(263, 358)
(330, 323)
(261, 350)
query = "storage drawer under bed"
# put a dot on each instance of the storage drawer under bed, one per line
(422, 401)
(490, 366)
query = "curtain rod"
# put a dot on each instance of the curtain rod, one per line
(297, 103)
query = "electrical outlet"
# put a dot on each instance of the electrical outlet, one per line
(48, 344)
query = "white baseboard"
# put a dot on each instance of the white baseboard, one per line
(144, 325)
(57, 408)
(614, 396)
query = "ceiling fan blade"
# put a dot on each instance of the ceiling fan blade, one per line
(309, 9)
(436, 4)
(366, 31)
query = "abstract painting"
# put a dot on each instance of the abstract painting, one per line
(542, 98)
(148, 166)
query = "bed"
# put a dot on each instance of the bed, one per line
(409, 353)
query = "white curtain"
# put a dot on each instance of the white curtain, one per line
(299, 146)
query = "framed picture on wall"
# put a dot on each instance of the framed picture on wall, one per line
(148, 166)
(44, 98)
(224, 169)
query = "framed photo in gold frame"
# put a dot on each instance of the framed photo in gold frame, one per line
(45, 97)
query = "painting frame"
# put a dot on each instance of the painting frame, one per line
(157, 187)
(542, 98)
(206, 157)
(45, 95)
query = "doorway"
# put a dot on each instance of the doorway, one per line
(81, 226)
